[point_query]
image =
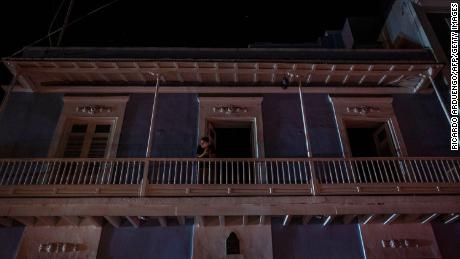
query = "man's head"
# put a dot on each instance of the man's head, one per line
(204, 142)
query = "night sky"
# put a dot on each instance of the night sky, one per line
(173, 23)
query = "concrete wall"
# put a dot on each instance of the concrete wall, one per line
(175, 132)
(416, 234)
(27, 124)
(175, 135)
(86, 237)
(448, 239)
(316, 241)
(173, 242)
(176, 126)
(9, 242)
(29, 121)
(135, 128)
(423, 125)
(321, 123)
(210, 242)
(283, 128)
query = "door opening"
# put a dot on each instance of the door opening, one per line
(232, 139)
(370, 139)
(233, 142)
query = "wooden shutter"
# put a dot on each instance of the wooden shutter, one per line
(384, 142)
(75, 140)
(87, 138)
(99, 140)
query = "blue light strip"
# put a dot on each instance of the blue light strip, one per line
(362, 241)
(193, 240)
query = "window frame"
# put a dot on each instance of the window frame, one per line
(380, 110)
(252, 115)
(113, 110)
(91, 122)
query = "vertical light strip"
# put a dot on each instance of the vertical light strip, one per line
(339, 135)
(192, 241)
(362, 241)
(305, 131)
(438, 95)
(198, 122)
(255, 138)
(148, 151)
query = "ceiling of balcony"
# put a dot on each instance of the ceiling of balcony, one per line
(134, 68)
(39, 74)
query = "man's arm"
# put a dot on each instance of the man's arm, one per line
(203, 154)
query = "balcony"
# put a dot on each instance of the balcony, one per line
(182, 177)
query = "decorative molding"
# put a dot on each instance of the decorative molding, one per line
(404, 243)
(229, 101)
(362, 109)
(230, 109)
(94, 109)
(59, 247)
(94, 106)
(372, 106)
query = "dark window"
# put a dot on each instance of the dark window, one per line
(233, 244)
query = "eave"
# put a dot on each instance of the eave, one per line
(220, 73)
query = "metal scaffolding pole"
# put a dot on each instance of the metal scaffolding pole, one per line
(311, 165)
(148, 151)
(305, 131)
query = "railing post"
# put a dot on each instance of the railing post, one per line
(314, 180)
(145, 179)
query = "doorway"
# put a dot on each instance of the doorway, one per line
(220, 113)
(232, 139)
(359, 118)
(370, 139)
(233, 142)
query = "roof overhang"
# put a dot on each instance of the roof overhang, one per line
(63, 74)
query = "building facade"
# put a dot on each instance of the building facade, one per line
(325, 152)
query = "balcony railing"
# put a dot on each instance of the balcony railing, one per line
(222, 177)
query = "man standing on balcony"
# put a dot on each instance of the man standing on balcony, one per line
(205, 149)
